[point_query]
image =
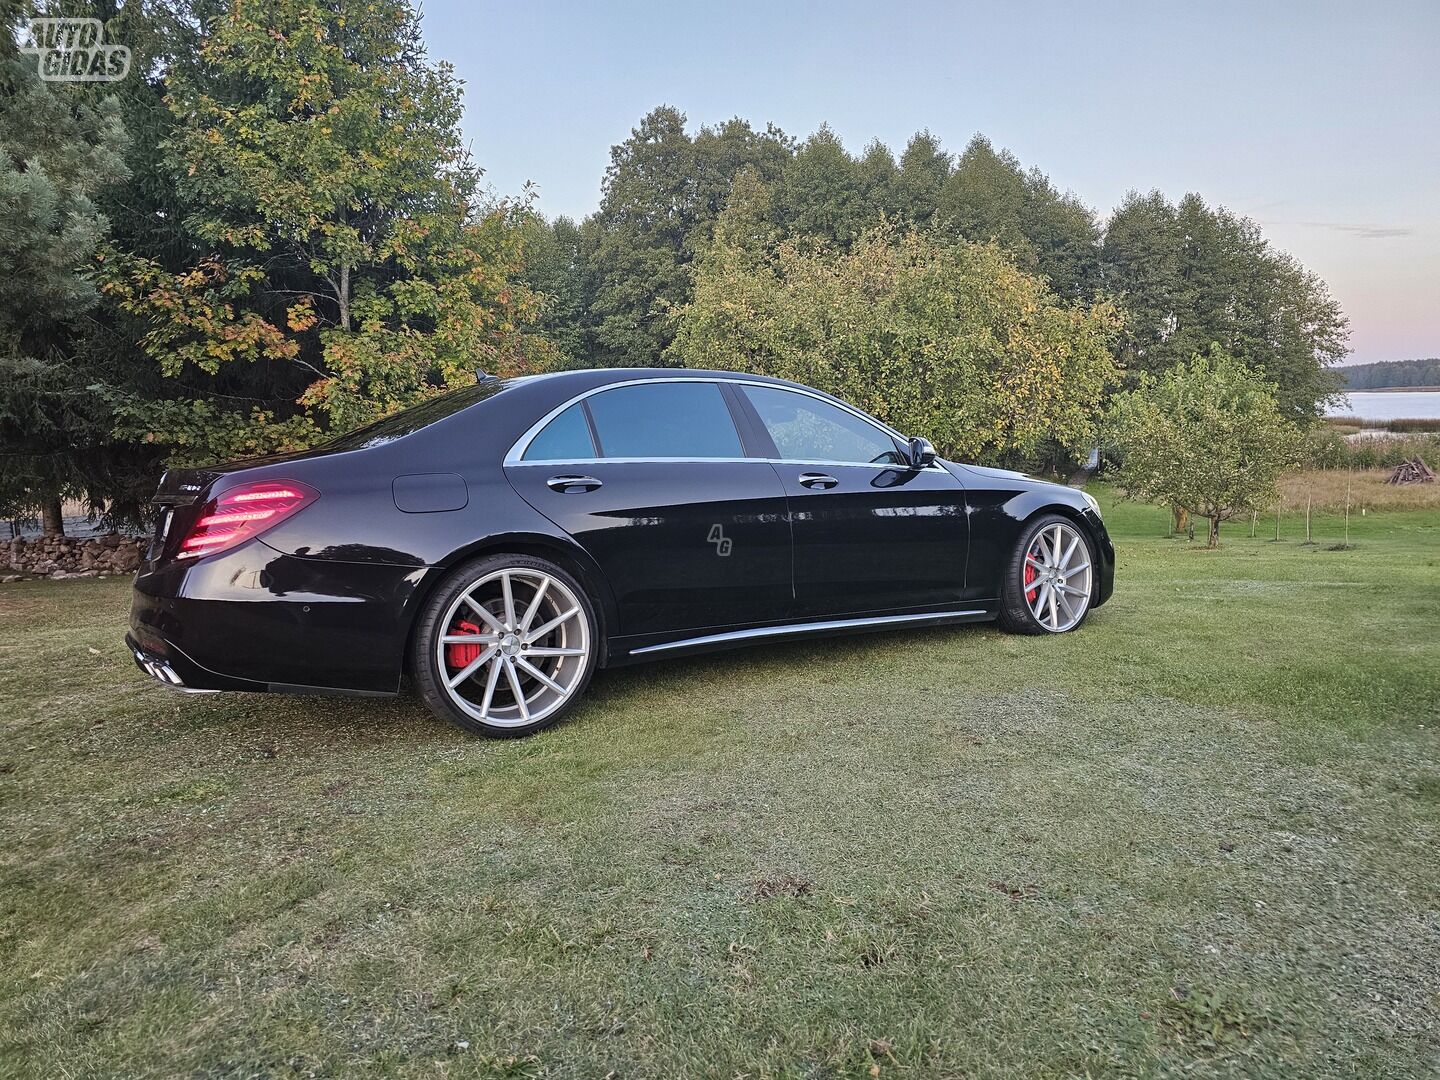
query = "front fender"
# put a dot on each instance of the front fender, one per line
(1001, 503)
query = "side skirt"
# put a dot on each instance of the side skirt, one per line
(753, 635)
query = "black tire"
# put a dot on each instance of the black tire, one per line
(1015, 615)
(425, 661)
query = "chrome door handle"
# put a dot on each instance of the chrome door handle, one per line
(567, 485)
(820, 480)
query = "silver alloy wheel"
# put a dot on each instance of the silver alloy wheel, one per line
(513, 648)
(1056, 577)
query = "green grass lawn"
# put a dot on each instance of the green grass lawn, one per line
(1200, 837)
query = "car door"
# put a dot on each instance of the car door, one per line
(652, 478)
(871, 534)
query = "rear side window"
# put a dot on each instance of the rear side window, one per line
(808, 429)
(664, 420)
(566, 438)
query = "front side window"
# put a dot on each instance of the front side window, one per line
(664, 420)
(804, 428)
(566, 438)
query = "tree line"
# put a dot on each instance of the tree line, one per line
(1393, 373)
(272, 232)
(1187, 274)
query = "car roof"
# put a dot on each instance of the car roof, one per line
(512, 406)
(586, 378)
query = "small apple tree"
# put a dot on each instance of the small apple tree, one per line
(1206, 437)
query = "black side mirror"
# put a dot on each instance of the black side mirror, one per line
(922, 453)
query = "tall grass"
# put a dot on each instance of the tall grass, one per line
(1328, 449)
(1414, 424)
(1347, 425)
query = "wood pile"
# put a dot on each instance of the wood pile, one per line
(1413, 471)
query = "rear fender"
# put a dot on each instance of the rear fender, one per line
(562, 551)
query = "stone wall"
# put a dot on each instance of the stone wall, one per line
(66, 556)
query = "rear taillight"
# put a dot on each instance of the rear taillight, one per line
(242, 513)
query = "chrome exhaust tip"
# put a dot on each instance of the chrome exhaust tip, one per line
(161, 671)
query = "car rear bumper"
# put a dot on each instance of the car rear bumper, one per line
(256, 619)
(171, 668)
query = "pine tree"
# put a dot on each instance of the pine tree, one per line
(56, 152)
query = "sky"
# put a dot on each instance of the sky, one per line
(1319, 120)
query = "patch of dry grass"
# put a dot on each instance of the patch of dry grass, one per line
(1368, 490)
(1344, 425)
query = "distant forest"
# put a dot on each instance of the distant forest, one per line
(1391, 373)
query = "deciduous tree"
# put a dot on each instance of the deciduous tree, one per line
(1207, 436)
(924, 168)
(1190, 275)
(556, 257)
(340, 253)
(662, 192)
(989, 196)
(821, 193)
(946, 340)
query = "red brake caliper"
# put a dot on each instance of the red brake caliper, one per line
(1030, 576)
(457, 656)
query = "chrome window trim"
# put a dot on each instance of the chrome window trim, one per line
(805, 628)
(517, 450)
(553, 462)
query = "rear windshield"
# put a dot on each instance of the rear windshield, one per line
(402, 423)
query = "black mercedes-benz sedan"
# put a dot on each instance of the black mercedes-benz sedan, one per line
(499, 543)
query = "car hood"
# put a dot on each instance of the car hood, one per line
(999, 474)
(1019, 479)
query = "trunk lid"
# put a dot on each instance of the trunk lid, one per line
(180, 487)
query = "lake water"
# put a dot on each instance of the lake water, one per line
(1399, 405)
